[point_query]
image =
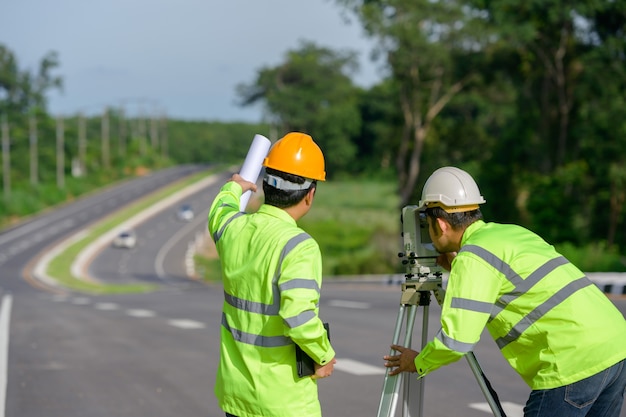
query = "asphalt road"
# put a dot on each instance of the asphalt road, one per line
(155, 354)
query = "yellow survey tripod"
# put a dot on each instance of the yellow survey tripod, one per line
(423, 277)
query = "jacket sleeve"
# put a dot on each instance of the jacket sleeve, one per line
(299, 285)
(472, 290)
(225, 205)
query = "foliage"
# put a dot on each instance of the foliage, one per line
(311, 91)
(548, 159)
(46, 171)
(210, 142)
(594, 257)
(423, 43)
(356, 223)
(23, 92)
(134, 148)
(378, 138)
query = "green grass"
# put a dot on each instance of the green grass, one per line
(209, 269)
(357, 225)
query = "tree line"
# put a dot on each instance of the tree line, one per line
(528, 96)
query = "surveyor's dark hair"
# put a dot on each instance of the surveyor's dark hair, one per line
(456, 220)
(285, 198)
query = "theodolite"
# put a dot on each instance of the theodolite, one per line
(423, 276)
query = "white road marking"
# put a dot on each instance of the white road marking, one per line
(186, 324)
(106, 306)
(140, 313)
(81, 301)
(52, 366)
(510, 409)
(349, 304)
(5, 319)
(358, 368)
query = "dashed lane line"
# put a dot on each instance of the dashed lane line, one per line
(358, 368)
(186, 324)
(81, 301)
(140, 313)
(106, 306)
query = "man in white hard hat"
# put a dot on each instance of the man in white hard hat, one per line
(556, 329)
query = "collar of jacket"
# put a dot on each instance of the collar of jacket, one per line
(276, 212)
(478, 224)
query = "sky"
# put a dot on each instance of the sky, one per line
(178, 58)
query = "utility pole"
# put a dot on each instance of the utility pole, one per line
(122, 134)
(82, 144)
(154, 133)
(6, 159)
(142, 133)
(34, 168)
(164, 136)
(60, 153)
(105, 140)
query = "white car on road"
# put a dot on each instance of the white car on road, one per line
(125, 239)
(185, 213)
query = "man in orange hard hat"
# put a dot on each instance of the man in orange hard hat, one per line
(272, 273)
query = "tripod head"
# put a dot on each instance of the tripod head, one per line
(419, 254)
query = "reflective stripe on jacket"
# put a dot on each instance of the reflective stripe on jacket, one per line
(551, 323)
(272, 279)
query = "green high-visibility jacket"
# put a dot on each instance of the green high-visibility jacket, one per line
(552, 324)
(272, 273)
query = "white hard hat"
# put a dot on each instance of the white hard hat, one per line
(452, 189)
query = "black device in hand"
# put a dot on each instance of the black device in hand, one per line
(304, 363)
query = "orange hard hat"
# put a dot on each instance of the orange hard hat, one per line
(297, 154)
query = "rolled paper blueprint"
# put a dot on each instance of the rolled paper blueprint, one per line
(252, 165)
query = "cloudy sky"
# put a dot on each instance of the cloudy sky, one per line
(178, 57)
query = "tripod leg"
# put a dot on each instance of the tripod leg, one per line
(407, 382)
(416, 408)
(391, 386)
(485, 386)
